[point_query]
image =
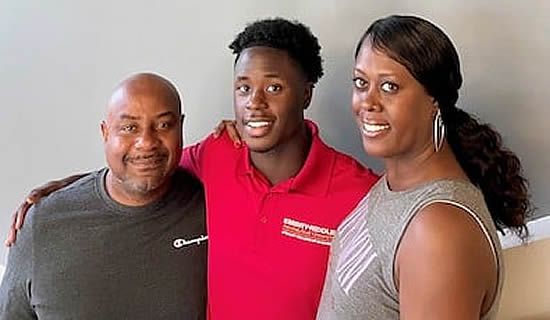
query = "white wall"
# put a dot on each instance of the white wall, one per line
(59, 61)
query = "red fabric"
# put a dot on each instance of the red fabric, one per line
(267, 245)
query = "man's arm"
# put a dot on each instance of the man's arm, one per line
(190, 161)
(15, 289)
(34, 196)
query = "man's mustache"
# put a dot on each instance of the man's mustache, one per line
(148, 156)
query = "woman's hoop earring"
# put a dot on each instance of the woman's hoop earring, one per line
(439, 131)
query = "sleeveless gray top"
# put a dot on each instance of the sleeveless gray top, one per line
(360, 278)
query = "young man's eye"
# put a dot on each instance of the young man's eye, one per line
(243, 88)
(274, 88)
(359, 83)
(389, 87)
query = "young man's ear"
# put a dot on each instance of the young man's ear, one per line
(308, 93)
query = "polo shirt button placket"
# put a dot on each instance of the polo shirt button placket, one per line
(263, 218)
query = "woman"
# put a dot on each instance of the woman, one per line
(422, 244)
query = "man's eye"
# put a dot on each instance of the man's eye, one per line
(129, 128)
(360, 83)
(274, 88)
(389, 87)
(243, 88)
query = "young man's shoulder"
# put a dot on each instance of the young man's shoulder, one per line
(350, 173)
(344, 165)
(57, 205)
(72, 195)
(219, 144)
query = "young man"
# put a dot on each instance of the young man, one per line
(274, 204)
(112, 245)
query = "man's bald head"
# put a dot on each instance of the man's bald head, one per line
(146, 84)
(142, 135)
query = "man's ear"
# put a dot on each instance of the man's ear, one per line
(308, 93)
(104, 130)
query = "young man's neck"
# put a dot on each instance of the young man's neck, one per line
(286, 160)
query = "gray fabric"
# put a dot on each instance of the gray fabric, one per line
(360, 282)
(80, 255)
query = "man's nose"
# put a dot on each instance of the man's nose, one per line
(148, 139)
(257, 100)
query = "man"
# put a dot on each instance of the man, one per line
(274, 204)
(124, 242)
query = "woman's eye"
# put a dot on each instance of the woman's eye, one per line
(274, 88)
(389, 87)
(164, 125)
(359, 83)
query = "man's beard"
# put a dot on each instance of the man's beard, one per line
(143, 186)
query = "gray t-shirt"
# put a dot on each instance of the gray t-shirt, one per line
(360, 278)
(81, 255)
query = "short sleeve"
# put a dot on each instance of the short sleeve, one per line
(15, 289)
(192, 157)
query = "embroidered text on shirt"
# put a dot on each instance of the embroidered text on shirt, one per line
(307, 232)
(179, 243)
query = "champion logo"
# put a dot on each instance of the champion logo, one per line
(180, 243)
(308, 232)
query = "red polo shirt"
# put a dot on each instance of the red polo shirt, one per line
(269, 245)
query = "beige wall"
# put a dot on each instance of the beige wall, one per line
(526, 292)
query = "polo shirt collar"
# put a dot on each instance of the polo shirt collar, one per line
(314, 177)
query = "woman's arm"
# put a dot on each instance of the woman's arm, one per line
(445, 267)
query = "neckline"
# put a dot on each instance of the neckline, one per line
(125, 210)
(420, 185)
